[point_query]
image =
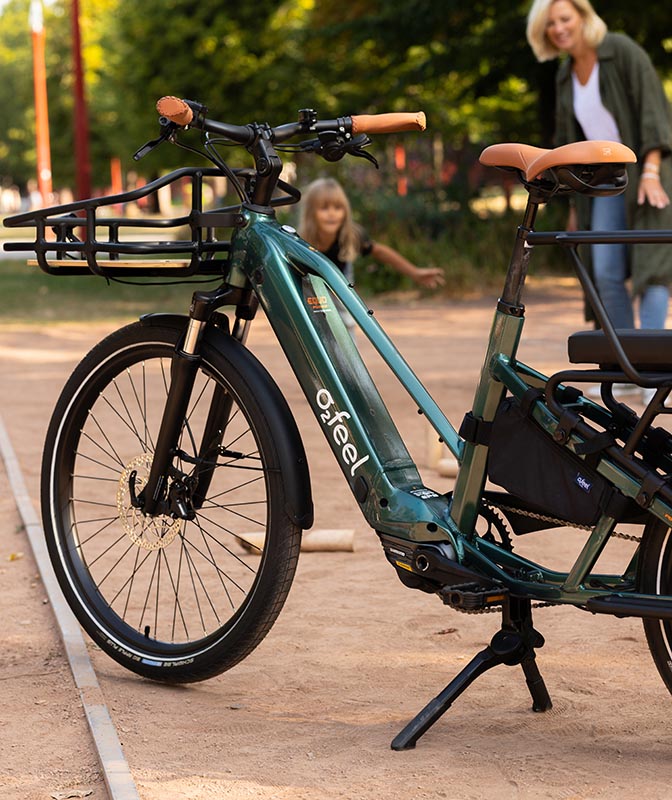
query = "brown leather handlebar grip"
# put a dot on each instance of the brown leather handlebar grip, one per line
(175, 110)
(389, 123)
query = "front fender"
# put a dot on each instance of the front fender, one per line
(293, 463)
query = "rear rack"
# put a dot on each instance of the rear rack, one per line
(77, 239)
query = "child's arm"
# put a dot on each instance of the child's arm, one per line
(429, 277)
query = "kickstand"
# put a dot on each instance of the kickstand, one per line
(514, 644)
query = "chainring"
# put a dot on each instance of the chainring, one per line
(498, 531)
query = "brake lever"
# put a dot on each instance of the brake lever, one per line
(355, 148)
(332, 146)
(167, 131)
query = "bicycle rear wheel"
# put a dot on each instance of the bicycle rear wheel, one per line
(655, 577)
(172, 599)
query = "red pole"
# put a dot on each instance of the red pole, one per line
(41, 109)
(82, 162)
(400, 164)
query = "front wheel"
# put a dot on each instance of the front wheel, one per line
(655, 577)
(170, 597)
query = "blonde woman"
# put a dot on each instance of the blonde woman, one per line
(607, 88)
(326, 222)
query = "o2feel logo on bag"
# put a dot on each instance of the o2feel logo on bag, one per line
(583, 483)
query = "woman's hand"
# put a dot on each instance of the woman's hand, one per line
(651, 190)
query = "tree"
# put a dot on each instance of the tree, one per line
(17, 142)
(17, 137)
(240, 60)
(466, 64)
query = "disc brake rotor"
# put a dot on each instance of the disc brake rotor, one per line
(150, 533)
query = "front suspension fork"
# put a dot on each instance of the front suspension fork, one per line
(184, 366)
(182, 376)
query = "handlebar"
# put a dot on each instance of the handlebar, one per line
(181, 112)
(335, 138)
(184, 113)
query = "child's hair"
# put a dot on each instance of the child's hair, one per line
(321, 192)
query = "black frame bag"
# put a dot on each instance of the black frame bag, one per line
(526, 461)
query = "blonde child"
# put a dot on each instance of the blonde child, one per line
(326, 222)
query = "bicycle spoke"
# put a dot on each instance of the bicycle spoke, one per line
(176, 605)
(235, 556)
(193, 584)
(158, 593)
(130, 584)
(131, 420)
(79, 476)
(217, 568)
(221, 579)
(142, 406)
(251, 520)
(115, 458)
(149, 590)
(83, 542)
(235, 488)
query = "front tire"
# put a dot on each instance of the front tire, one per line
(171, 599)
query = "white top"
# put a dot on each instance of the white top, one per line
(597, 122)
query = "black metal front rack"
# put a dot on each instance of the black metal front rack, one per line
(75, 239)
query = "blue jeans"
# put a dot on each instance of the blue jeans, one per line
(610, 270)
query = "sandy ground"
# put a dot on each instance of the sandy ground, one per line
(354, 655)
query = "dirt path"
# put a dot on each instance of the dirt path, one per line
(311, 713)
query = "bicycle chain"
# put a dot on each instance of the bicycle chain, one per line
(541, 518)
(495, 609)
(560, 522)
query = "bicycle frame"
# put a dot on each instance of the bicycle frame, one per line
(296, 286)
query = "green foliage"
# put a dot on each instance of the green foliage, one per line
(472, 250)
(17, 137)
(466, 64)
(17, 149)
(242, 60)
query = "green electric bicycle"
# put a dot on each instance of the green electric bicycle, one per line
(175, 486)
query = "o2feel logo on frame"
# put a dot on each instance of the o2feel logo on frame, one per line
(333, 421)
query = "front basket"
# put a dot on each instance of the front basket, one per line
(78, 238)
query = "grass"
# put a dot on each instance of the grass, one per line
(29, 295)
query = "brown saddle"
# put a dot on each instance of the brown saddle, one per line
(532, 161)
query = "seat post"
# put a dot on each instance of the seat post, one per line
(522, 252)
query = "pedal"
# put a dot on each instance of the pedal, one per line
(472, 596)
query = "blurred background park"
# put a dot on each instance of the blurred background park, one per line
(467, 65)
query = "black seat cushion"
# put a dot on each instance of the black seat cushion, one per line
(647, 349)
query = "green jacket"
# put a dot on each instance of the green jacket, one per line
(632, 91)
